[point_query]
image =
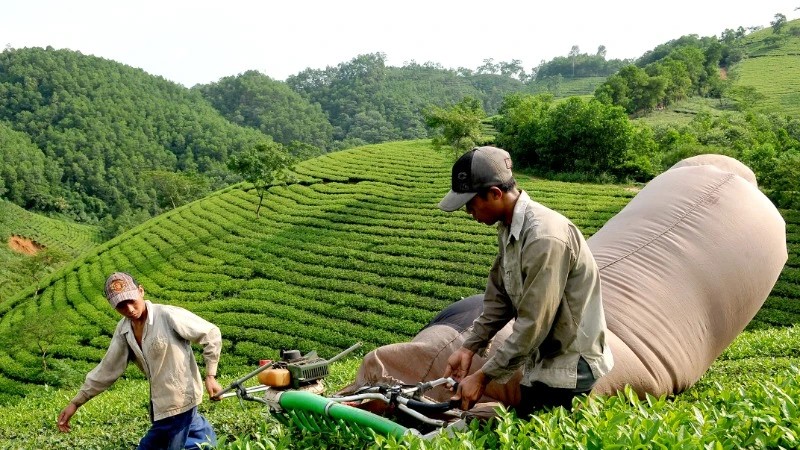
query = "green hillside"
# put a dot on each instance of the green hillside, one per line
(98, 129)
(354, 251)
(69, 238)
(772, 69)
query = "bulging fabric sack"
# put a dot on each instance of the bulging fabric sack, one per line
(684, 267)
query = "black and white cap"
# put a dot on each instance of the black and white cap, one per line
(481, 167)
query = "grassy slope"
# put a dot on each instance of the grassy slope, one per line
(72, 239)
(773, 70)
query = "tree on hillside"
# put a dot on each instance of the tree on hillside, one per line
(520, 125)
(37, 266)
(573, 54)
(263, 165)
(586, 137)
(458, 126)
(28, 177)
(513, 69)
(577, 65)
(633, 89)
(39, 333)
(488, 67)
(574, 136)
(778, 23)
(174, 189)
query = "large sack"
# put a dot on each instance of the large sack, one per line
(684, 267)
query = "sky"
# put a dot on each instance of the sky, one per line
(199, 42)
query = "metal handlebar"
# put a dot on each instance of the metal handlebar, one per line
(408, 399)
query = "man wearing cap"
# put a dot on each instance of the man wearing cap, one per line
(158, 339)
(544, 278)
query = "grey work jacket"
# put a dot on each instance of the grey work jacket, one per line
(545, 278)
(166, 358)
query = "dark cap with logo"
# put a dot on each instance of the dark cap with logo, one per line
(481, 167)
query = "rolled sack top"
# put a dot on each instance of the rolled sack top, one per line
(684, 268)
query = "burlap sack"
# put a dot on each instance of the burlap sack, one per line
(684, 267)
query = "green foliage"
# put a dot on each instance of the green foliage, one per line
(95, 125)
(368, 102)
(27, 177)
(782, 182)
(459, 126)
(255, 100)
(632, 89)
(263, 165)
(176, 188)
(62, 239)
(669, 73)
(575, 136)
(766, 143)
(355, 252)
(579, 65)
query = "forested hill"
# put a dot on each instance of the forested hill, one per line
(97, 135)
(361, 101)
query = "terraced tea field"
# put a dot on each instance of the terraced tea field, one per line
(15, 222)
(354, 250)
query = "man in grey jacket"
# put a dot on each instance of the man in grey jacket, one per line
(544, 277)
(158, 339)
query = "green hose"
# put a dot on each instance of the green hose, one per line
(323, 407)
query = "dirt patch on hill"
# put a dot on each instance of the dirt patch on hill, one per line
(23, 245)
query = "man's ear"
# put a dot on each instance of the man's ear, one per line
(496, 193)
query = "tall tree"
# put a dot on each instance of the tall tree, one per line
(573, 54)
(778, 23)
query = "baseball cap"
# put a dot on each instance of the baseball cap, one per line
(481, 167)
(120, 286)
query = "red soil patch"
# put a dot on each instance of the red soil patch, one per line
(20, 244)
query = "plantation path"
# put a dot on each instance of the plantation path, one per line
(23, 245)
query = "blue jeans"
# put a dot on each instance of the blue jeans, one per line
(184, 431)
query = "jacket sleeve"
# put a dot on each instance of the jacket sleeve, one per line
(197, 330)
(497, 311)
(546, 263)
(107, 372)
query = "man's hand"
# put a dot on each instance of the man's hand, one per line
(66, 414)
(458, 364)
(471, 389)
(213, 387)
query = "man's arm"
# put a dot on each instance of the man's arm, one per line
(496, 313)
(195, 329)
(546, 261)
(99, 379)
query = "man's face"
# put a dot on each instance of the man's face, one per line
(134, 308)
(484, 210)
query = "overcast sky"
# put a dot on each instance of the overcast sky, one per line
(200, 41)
